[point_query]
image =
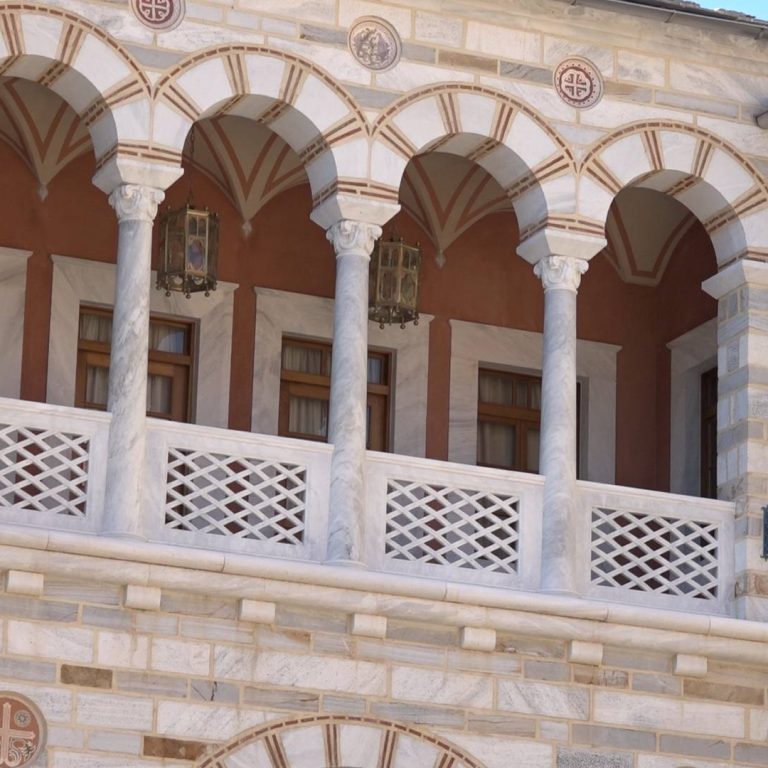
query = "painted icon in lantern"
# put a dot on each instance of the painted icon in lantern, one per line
(393, 287)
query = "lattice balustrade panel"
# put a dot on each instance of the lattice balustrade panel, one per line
(43, 470)
(452, 526)
(238, 497)
(648, 553)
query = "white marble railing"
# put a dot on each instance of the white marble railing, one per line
(656, 549)
(219, 489)
(52, 465)
(453, 521)
(253, 494)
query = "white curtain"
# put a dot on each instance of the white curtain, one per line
(308, 416)
(167, 338)
(158, 393)
(96, 385)
(496, 444)
(303, 359)
(95, 327)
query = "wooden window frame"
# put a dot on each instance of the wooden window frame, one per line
(318, 386)
(179, 367)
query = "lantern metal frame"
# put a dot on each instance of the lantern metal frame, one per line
(393, 282)
(189, 246)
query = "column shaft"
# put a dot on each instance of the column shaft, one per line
(560, 276)
(136, 208)
(353, 242)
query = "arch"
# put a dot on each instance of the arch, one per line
(293, 97)
(316, 741)
(82, 64)
(698, 169)
(533, 165)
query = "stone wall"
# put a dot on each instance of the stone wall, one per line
(128, 687)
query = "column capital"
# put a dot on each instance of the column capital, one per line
(560, 272)
(355, 238)
(134, 202)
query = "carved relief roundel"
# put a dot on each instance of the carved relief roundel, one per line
(159, 14)
(578, 83)
(22, 731)
(375, 43)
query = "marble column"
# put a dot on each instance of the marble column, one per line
(353, 242)
(560, 276)
(136, 207)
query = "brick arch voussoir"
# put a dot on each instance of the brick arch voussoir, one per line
(270, 733)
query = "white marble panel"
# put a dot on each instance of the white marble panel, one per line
(473, 345)
(702, 200)
(13, 289)
(627, 159)
(594, 199)
(500, 41)
(692, 354)
(529, 141)
(41, 34)
(410, 751)
(265, 74)
(252, 756)
(202, 721)
(303, 746)
(350, 157)
(107, 710)
(407, 76)
(207, 83)
(678, 149)
(280, 313)
(100, 64)
(79, 281)
(477, 113)
(727, 176)
(387, 167)
(320, 104)
(421, 122)
(360, 745)
(437, 687)
(503, 751)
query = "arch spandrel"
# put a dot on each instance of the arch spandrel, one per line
(698, 169)
(81, 63)
(320, 741)
(293, 97)
(531, 162)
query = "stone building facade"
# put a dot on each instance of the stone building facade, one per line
(256, 529)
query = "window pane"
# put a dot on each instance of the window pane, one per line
(496, 444)
(94, 327)
(308, 416)
(536, 395)
(304, 359)
(521, 394)
(376, 370)
(499, 390)
(159, 393)
(167, 338)
(532, 436)
(96, 385)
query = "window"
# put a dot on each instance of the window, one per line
(169, 381)
(305, 388)
(508, 420)
(709, 434)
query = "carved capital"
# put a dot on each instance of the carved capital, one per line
(133, 202)
(353, 237)
(560, 272)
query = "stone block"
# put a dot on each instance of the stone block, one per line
(403, 653)
(440, 30)
(580, 652)
(107, 710)
(156, 623)
(520, 727)
(686, 665)
(54, 703)
(67, 738)
(87, 677)
(607, 678)
(368, 625)
(338, 645)
(50, 642)
(462, 61)
(313, 621)
(740, 694)
(142, 598)
(547, 670)
(173, 749)
(438, 687)
(213, 690)
(687, 745)
(755, 754)
(410, 632)
(553, 730)
(256, 611)
(656, 683)
(579, 758)
(477, 639)
(20, 669)
(233, 662)
(604, 736)
(152, 685)
(344, 705)
(323, 673)
(546, 699)
(474, 661)
(118, 649)
(180, 656)
(419, 714)
(24, 583)
(206, 722)
(107, 617)
(216, 629)
(39, 610)
(115, 741)
(292, 700)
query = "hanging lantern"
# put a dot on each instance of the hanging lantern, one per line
(393, 287)
(189, 245)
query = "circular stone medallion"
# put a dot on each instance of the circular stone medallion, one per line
(22, 731)
(375, 43)
(158, 14)
(578, 83)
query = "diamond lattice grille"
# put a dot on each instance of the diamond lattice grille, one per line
(648, 553)
(43, 470)
(451, 526)
(235, 496)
